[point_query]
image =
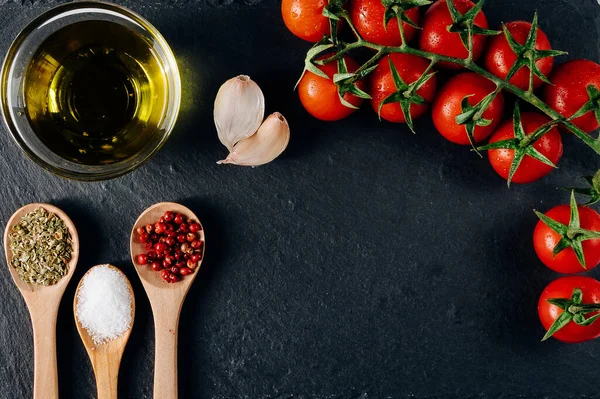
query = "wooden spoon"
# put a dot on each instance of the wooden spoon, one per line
(166, 301)
(43, 303)
(105, 358)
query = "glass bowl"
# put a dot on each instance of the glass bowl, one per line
(14, 101)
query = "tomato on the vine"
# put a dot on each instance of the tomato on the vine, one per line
(305, 19)
(569, 91)
(368, 17)
(546, 239)
(448, 105)
(381, 85)
(320, 97)
(436, 38)
(500, 57)
(580, 298)
(549, 145)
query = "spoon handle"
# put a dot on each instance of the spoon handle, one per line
(107, 377)
(45, 383)
(166, 325)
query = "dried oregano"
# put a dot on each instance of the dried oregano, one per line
(41, 247)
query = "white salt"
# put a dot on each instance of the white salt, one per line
(104, 304)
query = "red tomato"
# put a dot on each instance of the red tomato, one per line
(367, 17)
(410, 68)
(549, 145)
(568, 92)
(447, 107)
(500, 57)
(319, 96)
(304, 18)
(436, 38)
(563, 288)
(545, 239)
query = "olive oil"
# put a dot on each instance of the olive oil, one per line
(95, 92)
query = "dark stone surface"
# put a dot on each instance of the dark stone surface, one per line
(366, 262)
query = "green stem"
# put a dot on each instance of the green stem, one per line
(531, 75)
(596, 181)
(532, 138)
(401, 29)
(479, 113)
(349, 22)
(425, 72)
(369, 63)
(501, 84)
(470, 58)
(587, 308)
(339, 54)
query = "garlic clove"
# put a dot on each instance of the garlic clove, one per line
(267, 144)
(239, 110)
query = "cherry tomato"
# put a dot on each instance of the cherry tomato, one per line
(447, 107)
(367, 17)
(549, 145)
(545, 239)
(381, 85)
(436, 38)
(500, 57)
(319, 96)
(563, 288)
(568, 92)
(304, 18)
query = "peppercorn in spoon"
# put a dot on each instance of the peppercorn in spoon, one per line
(104, 309)
(36, 245)
(173, 239)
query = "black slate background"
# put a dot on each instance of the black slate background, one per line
(364, 263)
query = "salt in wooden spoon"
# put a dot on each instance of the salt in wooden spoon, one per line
(166, 301)
(43, 303)
(105, 358)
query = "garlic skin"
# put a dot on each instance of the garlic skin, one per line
(268, 143)
(239, 110)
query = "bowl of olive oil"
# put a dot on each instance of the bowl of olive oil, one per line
(90, 90)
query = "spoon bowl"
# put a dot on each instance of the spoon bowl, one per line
(166, 300)
(147, 275)
(106, 357)
(43, 303)
(28, 289)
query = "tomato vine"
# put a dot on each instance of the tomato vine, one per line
(332, 49)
